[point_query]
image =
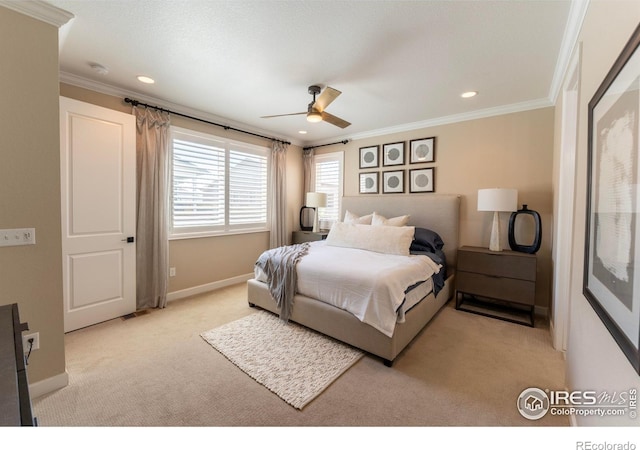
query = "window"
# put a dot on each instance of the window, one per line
(217, 185)
(329, 180)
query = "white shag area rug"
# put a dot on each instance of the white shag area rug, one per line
(292, 361)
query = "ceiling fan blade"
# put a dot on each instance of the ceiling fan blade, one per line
(282, 115)
(333, 120)
(326, 97)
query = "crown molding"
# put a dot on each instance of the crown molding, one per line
(445, 120)
(577, 12)
(473, 115)
(114, 91)
(40, 10)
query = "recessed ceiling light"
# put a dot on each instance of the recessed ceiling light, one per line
(147, 80)
(302, 132)
(469, 94)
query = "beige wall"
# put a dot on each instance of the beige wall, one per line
(594, 361)
(511, 151)
(205, 262)
(30, 183)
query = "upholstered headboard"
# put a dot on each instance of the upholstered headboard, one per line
(438, 212)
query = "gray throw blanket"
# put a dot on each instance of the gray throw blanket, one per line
(279, 265)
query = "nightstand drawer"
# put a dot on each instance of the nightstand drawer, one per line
(308, 236)
(501, 264)
(501, 288)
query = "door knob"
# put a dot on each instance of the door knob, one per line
(130, 239)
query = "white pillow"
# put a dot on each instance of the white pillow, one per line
(350, 217)
(379, 219)
(380, 239)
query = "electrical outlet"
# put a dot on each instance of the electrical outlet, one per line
(172, 271)
(25, 342)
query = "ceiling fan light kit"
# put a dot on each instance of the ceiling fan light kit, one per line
(314, 116)
(315, 111)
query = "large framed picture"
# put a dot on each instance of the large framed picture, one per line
(393, 182)
(393, 154)
(421, 180)
(369, 183)
(369, 156)
(422, 150)
(612, 238)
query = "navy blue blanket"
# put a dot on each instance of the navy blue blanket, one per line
(439, 258)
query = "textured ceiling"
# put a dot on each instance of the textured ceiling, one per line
(399, 64)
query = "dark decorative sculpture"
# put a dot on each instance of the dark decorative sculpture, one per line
(309, 215)
(535, 246)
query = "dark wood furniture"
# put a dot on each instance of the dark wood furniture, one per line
(15, 402)
(308, 236)
(497, 284)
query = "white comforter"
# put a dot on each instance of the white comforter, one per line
(369, 285)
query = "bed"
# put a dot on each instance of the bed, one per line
(436, 212)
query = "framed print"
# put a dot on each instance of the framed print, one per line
(422, 150)
(369, 183)
(612, 240)
(393, 182)
(369, 156)
(393, 154)
(421, 180)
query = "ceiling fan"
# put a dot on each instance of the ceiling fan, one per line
(316, 110)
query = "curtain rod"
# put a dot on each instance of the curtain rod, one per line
(226, 127)
(346, 141)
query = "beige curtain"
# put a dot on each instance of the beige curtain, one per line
(152, 248)
(309, 182)
(278, 189)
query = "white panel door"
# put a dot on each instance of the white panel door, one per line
(98, 191)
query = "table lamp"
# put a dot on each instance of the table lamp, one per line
(497, 200)
(316, 200)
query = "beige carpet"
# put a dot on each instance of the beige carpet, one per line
(290, 360)
(155, 370)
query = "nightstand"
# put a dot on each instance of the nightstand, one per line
(497, 284)
(308, 236)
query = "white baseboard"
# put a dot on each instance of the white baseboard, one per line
(40, 388)
(176, 295)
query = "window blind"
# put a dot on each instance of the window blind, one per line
(217, 185)
(329, 181)
(198, 185)
(247, 188)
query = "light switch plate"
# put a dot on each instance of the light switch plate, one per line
(17, 236)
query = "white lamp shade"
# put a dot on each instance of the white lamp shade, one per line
(501, 200)
(316, 199)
